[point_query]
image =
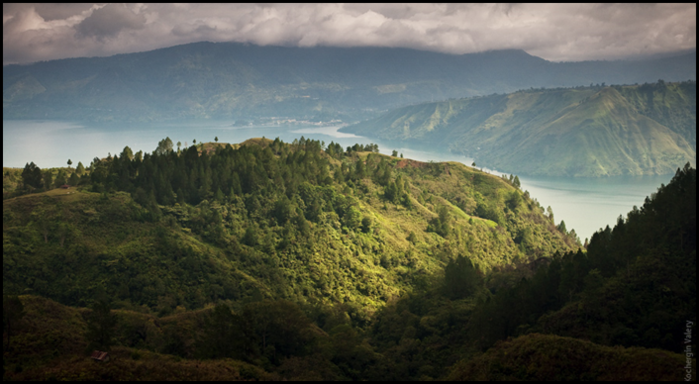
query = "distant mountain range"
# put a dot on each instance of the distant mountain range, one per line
(584, 131)
(239, 81)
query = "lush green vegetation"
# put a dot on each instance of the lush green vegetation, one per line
(635, 287)
(334, 264)
(247, 83)
(583, 131)
(248, 222)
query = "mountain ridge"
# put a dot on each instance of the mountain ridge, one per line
(582, 131)
(239, 81)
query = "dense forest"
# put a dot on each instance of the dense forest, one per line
(272, 260)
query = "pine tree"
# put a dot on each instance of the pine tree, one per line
(80, 169)
(47, 179)
(31, 176)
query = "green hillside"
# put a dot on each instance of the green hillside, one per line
(265, 220)
(585, 132)
(297, 262)
(633, 287)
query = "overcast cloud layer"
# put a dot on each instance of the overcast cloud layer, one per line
(558, 32)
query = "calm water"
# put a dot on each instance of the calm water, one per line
(584, 204)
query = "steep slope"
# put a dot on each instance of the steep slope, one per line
(629, 130)
(634, 287)
(265, 220)
(239, 81)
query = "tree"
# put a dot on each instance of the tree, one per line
(366, 224)
(31, 176)
(224, 334)
(516, 183)
(80, 169)
(282, 210)
(473, 164)
(127, 153)
(352, 218)
(216, 139)
(164, 147)
(250, 237)
(514, 200)
(74, 179)
(562, 227)
(360, 170)
(461, 278)
(394, 153)
(100, 325)
(60, 178)
(70, 162)
(441, 224)
(179, 144)
(12, 313)
(281, 329)
(47, 179)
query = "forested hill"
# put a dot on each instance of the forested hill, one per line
(585, 131)
(243, 82)
(624, 309)
(263, 220)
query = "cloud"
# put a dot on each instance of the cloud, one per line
(558, 32)
(108, 21)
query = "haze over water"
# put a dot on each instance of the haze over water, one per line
(585, 204)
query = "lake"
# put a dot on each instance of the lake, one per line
(585, 205)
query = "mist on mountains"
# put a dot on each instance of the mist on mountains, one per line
(242, 81)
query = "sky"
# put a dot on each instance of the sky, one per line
(556, 32)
